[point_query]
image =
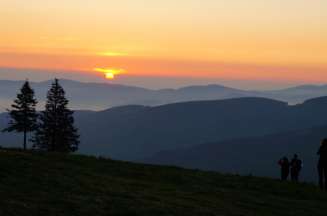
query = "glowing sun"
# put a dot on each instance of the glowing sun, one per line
(109, 73)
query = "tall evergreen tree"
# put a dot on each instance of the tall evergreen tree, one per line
(23, 114)
(56, 130)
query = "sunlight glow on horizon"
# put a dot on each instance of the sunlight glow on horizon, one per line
(112, 54)
(109, 73)
(255, 39)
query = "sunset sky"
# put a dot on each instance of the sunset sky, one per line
(277, 41)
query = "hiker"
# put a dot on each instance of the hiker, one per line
(322, 165)
(296, 166)
(285, 168)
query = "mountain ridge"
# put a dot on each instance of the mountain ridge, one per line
(136, 132)
(250, 155)
(100, 96)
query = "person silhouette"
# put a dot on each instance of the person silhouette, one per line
(285, 168)
(322, 165)
(296, 166)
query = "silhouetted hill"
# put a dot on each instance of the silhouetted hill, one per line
(146, 131)
(298, 94)
(137, 132)
(257, 155)
(315, 102)
(97, 96)
(59, 184)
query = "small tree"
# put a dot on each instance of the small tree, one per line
(56, 131)
(23, 114)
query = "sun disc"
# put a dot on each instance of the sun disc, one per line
(109, 73)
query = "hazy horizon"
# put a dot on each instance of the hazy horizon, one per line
(162, 44)
(149, 82)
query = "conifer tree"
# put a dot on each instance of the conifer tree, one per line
(56, 130)
(23, 116)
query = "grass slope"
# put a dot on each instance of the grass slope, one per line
(54, 184)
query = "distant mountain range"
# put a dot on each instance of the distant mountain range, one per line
(244, 135)
(97, 96)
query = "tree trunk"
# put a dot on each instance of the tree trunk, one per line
(25, 140)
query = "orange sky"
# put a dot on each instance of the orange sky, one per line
(236, 39)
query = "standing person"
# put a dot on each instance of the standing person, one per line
(322, 165)
(296, 166)
(285, 168)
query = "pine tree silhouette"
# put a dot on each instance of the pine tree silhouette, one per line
(23, 114)
(56, 131)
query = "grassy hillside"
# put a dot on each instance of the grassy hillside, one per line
(53, 184)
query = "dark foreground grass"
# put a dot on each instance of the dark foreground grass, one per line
(54, 184)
